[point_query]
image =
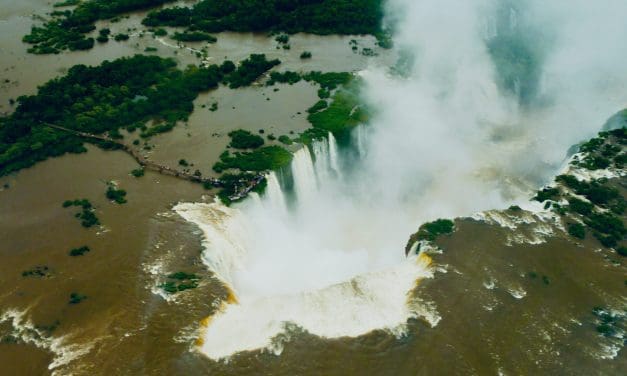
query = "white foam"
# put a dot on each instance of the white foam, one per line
(61, 347)
(351, 308)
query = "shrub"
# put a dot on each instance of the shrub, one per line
(319, 106)
(305, 55)
(579, 206)
(76, 298)
(121, 37)
(138, 172)
(431, 230)
(194, 36)
(546, 194)
(577, 230)
(79, 251)
(116, 195)
(285, 140)
(242, 139)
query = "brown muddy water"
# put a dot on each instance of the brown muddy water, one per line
(506, 306)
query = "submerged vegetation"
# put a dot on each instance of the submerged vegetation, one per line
(179, 281)
(317, 16)
(39, 271)
(126, 93)
(76, 298)
(114, 194)
(79, 251)
(86, 215)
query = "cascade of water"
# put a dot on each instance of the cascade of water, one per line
(360, 139)
(274, 194)
(304, 176)
(333, 157)
(321, 154)
(513, 18)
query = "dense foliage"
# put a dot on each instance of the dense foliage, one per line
(194, 36)
(262, 159)
(67, 29)
(596, 203)
(122, 94)
(116, 195)
(430, 231)
(86, 215)
(291, 16)
(250, 70)
(242, 139)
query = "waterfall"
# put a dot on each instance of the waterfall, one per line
(513, 19)
(274, 194)
(321, 154)
(333, 158)
(359, 138)
(305, 184)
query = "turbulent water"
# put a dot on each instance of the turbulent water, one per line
(303, 267)
(322, 250)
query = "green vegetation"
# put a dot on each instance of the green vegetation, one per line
(235, 186)
(241, 139)
(66, 3)
(577, 230)
(312, 134)
(342, 114)
(76, 298)
(161, 32)
(121, 37)
(285, 140)
(37, 271)
(79, 251)
(546, 194)
(534, 275)
(319, 106)
(311, 16)
(305, 55)
(430, 231)
(288, 77)
(122, 94)
(604, 204)
(116, 195)
(262, 159)
(86, 216)
(66, 30)
(250, 70)
(179, 281)
(609, 324)
(282, 38)
(138, 172)
(194, 36)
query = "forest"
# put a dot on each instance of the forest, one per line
(122, 94)
(291, 16)
(67, 29)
